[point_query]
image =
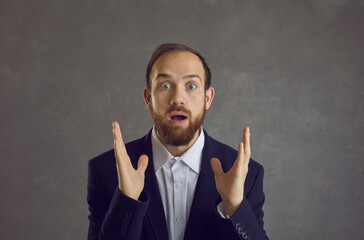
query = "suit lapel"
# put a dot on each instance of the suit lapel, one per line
(155, 212)
(205, 194)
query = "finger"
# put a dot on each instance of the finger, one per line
(244, 149)
(117, 132)
(247, 149)
(216, 167)
(142, 163)
(119, 146)
(116, 143)
(240, 159)
(119, 137)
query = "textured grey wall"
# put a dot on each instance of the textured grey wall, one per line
(291, 70)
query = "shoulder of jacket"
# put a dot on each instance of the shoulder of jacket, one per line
(109, 155)
(230, 154)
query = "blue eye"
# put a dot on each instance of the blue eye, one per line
(165, 85)
(191, 86)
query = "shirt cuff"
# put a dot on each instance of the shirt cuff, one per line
(221, 211)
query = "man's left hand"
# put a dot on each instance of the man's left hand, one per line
(230, 185)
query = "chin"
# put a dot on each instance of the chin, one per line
(177, 134)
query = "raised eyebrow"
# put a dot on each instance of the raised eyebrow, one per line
(192, 76)
(163, 75)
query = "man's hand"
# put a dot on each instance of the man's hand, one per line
(230, 185)
(131, 181)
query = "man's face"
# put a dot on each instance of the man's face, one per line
(177, 99)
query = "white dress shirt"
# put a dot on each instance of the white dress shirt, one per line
(177, 178)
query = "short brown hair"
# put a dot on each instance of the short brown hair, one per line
(168, 47)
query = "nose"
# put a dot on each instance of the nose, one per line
(178, 96)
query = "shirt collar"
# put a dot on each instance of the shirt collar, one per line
(192, 157)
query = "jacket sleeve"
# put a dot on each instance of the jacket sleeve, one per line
(247, 222)
(120, 219)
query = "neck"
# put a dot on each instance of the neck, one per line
(179, 150)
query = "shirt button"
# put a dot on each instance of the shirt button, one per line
(178, 219)
(178, 186)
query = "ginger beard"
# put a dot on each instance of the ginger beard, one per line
(177, 135)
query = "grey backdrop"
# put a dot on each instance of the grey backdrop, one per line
(291, 70)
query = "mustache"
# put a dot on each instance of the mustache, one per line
(179, 109)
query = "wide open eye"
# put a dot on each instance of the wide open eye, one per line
(165, 85)
(191, 86)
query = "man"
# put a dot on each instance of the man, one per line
(176, 182)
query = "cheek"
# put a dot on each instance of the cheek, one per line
(198, 105)
(159, 102)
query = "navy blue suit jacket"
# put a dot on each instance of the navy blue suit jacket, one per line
(113, 215)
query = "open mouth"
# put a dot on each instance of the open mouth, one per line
(178, 117)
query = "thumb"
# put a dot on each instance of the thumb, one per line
(142, 163)
(216, 167)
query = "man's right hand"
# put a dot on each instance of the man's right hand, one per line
(131, 181)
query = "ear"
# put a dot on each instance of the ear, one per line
(209, 95)
(147, 97)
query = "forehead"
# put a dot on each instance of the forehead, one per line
(178, 63)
